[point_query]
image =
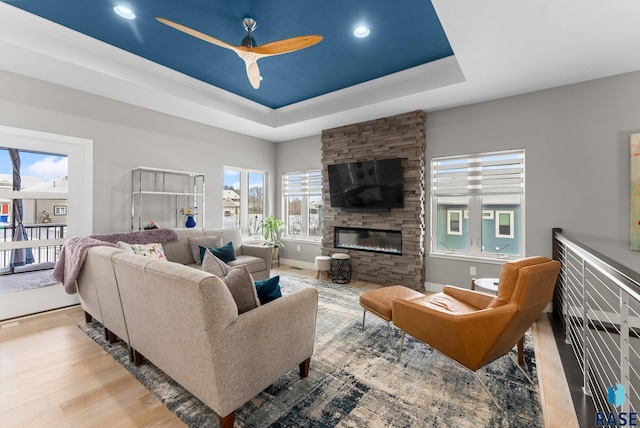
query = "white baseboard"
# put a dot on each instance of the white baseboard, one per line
(298, 264)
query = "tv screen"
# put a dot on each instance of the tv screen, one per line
(365, 185)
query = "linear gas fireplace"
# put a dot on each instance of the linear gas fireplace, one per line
(374, 240)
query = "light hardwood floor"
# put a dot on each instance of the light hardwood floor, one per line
(53, 375)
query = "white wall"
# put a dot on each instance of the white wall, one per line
(125, 137)
(577, 163)
(298, 155)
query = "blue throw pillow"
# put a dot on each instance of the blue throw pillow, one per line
(226, 253)
(269, 289)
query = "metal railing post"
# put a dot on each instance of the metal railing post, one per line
(585, 328)
(624, 348)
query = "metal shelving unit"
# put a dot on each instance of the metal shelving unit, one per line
(160, 194)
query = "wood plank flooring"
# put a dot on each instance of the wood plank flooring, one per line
(53, 375)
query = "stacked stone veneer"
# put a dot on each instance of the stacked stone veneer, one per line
(401, 136)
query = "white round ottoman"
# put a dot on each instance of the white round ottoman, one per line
(323, 264)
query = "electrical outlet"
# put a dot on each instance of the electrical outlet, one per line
(298, 248)
(472, 270)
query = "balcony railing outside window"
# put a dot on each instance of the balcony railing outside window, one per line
(44, 255)
(599, 301)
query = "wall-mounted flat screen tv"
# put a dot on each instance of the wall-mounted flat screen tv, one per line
(367, 185)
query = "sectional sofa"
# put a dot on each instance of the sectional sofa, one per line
(186, 322)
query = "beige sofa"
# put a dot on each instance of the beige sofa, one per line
(185, 321)
(256, 257)
(103, 303)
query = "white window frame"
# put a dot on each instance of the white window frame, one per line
(511, 215)
(460, 217)
(302, 184)
(473, 177)
(243, 223)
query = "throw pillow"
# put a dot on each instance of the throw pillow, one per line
(226, 253)
(238, 280)
(149, 250)
(203, 241)
(268, 289)
(124, 246)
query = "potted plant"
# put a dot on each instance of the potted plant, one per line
(271, 229)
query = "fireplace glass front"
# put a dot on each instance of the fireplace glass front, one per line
(375, 240)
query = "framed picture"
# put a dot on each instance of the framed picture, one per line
(59, 210)
(635, 191)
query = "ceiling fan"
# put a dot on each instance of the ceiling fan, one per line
(248, 51)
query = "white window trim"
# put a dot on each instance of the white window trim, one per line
(511, 215)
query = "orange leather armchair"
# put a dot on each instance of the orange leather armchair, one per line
(474, 328)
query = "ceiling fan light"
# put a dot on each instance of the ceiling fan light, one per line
(361, 31)
(124, 11)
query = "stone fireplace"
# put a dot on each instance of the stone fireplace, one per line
(398, 257)
(374, 240)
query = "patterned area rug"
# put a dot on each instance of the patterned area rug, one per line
(355, 380)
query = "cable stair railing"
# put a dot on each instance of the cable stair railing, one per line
(598, 300)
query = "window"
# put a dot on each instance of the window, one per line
(302, 203)
(243, 200)
(454, 222)
(504, 225)
(477, 204)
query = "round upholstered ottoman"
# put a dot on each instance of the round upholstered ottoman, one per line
(323, 264)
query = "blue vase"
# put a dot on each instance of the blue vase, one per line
(191, 222)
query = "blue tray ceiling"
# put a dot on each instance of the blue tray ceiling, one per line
(404, 34)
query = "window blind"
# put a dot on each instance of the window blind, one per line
(305, 183)
(498, 173)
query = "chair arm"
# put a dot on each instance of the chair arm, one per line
(265, 343)
(470, 297)
(261, 251)
(464, 337)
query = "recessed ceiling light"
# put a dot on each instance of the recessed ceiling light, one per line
(124, 12)
(361, 31)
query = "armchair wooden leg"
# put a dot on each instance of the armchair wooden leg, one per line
(364, 314)
(227, 421)
(304, 367)
(521, 351)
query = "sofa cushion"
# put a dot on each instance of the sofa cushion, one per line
(178, 251)
(125, 247)
(255, 264)
(154, 250)
(238, 280)
(268, 289)
(203, 241)
(226, 253)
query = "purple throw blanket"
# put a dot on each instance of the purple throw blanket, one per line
(74, 251)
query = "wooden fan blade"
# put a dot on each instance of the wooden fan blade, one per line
(197, 34)
(285, 46)
(253, 73)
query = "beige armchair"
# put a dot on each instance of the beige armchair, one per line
(473, 328)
